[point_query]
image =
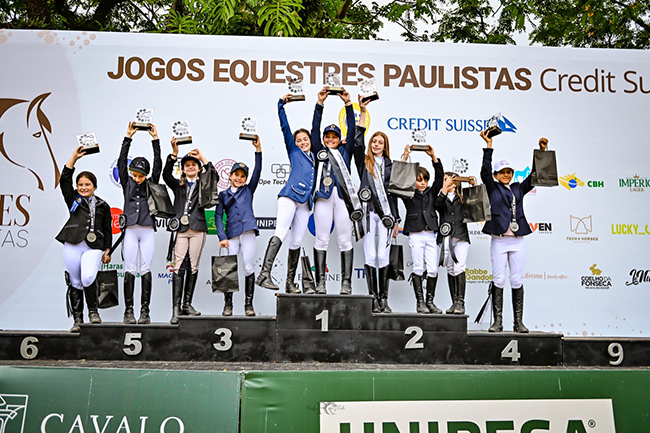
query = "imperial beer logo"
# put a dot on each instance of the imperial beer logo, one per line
(596, 280)
(475, 416)
(635, 183)
(13, 408)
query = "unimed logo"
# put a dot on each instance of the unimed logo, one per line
(468, 416)
(12, 413)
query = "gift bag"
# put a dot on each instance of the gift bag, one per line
(402, 179)
(107, 289)
(208, 191)
(396, 263)
(160, 205)
(544, 172)
(224, 273)
(308, 283)
(476, 204)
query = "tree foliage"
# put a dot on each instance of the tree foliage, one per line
(579, 23)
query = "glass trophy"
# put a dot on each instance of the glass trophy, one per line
(419, 137)
(333, 83)
(295, 89)
(143, 117)
(89, 143)
(248, 129)
(368, 89)
(493, 125)
(181, 131)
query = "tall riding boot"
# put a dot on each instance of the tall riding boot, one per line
(188, 295)
(497, 308)
(320, 257)
(129, 283)
(177, 294)
(461, 283)
(346, 272)
(371, 281)
(227, 306)
(264, 278)
(383, 290)
(431, 292)
(249, 291)
(419, 296)
(292, 264)
(518, 310)
(76, 299)
(453, 291)
(145, 282)
(92, 301)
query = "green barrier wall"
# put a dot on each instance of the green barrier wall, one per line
(280, 402)
(55, 400)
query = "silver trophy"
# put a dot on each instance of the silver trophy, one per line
(295, 88)
(89, 143)
(143, 117)
(419, 137)
(248, 129)
(493, 125)
(368, 89)
(181, 131)
(333, 83)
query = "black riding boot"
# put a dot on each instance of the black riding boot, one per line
(249, 291)
(420, 308)
(188, 295)
(129, 283)
(497, 308)
(145, 300)
(292, 264)
(346, 272)
(383, 290)
(461, 283)
(371, 281)
(177, 294)
(227, 306)
(431, 292)
(92, 301)
(518, 310)
(76, 299)
(320, 257)
(453, 291)
(264, 278)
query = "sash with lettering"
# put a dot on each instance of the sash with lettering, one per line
(380, 199)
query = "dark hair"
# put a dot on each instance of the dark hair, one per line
(298, 131)
(424, 173)
(88, 175)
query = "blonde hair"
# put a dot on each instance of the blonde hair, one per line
(370, 157)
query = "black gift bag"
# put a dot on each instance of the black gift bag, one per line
(225, 278)
(476, 204)
(160, 205)
(402, 179)
(308, 282)
(544, 172)
(396, 263)
(107, 289)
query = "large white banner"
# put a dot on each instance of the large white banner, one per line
(586, 271)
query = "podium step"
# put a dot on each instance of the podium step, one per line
(510, 348)
(606, 351)
(38, 345)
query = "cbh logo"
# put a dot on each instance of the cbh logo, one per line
(12, 413)
(31, 136)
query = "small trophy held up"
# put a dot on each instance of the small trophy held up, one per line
(89, 143)
(493, 125)
(295, 88)
(333, 83)
(143, 117)
(420, 137)
(181, 131)
(248, 129)
(368, 89)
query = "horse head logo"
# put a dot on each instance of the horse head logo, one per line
(38, 129)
